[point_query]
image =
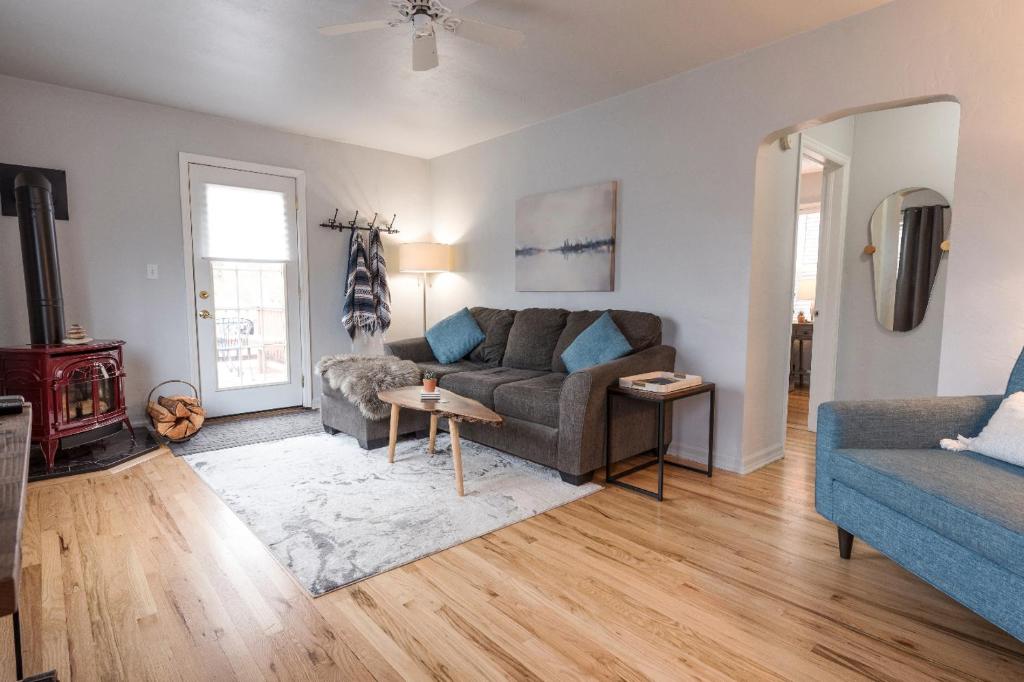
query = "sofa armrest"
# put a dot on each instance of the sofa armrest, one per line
(581, 406)
(892, 425)
(416, 349)
(902, 424)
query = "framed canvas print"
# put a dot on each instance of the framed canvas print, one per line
(565, 241)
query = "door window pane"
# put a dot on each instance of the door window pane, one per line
(807, 237)
(251, 323)
(245, 223)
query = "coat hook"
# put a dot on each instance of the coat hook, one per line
(373, 222)
(391, 227)
(352, 223)
(870, 249)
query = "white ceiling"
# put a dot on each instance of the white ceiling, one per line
(263, 61)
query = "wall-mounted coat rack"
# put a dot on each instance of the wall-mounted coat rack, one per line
(334, 224)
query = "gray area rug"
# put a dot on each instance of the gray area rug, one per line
(249, 430)
(333, 513)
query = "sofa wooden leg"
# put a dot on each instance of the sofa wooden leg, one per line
(845, 543)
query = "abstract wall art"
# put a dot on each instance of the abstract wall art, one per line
(565, 241)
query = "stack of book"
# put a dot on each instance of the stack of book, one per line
(432, 395)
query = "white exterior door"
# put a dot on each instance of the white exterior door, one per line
(245, 264)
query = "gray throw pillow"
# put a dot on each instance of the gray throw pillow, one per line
(495, 324)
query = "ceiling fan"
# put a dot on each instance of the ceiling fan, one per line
(426, 16)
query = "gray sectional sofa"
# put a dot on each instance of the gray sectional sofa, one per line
(550, 417)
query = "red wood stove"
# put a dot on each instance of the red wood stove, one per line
(73, 389)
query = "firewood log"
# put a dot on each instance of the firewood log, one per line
(197, 420)
(159, 413)
(163, 427)
(175, 406)
(178, 431)
(187, 399)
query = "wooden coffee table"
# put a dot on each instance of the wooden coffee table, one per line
(455, 408)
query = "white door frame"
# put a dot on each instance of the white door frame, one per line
(829, 290)
(191, 318)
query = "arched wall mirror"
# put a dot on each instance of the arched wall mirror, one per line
(909, 233)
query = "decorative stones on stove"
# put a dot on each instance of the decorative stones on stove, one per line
(77, 335)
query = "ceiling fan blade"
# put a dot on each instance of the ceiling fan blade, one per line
(357, 27)
(488, 34)
(424, 51)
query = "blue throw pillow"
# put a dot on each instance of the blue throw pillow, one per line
(599, 343)
(452, 338)
(1016, 377)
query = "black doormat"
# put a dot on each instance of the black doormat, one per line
(95, 456)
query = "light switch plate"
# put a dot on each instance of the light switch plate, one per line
(152, 272)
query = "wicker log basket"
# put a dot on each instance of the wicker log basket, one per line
(178, 417)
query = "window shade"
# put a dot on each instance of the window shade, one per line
(241, 223)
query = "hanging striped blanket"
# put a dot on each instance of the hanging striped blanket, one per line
(359, 311)
(379, 280)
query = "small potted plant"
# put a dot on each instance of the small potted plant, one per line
(429, 382)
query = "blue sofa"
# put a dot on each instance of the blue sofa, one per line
(956, 520)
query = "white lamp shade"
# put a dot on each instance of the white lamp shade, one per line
(423, 257)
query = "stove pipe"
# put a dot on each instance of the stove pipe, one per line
(34, 200)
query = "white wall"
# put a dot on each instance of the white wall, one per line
(121, 158)
(684, 150)
(769, 318)
(893, 150)
(837, 135)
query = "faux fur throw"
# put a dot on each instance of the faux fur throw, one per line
(359, 377)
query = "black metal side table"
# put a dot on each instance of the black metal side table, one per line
(661, 400)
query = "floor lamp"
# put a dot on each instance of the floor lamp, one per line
(425, 259)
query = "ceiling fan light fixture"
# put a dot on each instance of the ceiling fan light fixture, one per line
(426, 16)
(422, 22)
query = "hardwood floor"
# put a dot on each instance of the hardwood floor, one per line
(145, 574)
(796, 416)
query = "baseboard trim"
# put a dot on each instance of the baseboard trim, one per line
(762, 458)
(724, 461)
(699, 456)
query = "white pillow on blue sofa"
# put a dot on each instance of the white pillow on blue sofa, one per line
(1003, 436)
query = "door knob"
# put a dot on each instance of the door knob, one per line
(205, 314)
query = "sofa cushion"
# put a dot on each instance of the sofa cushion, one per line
(439, 369)
(642, 330)
(532, 339)
(599, 343)
(480, 384)
(454, 337)
(1003, 436)
(1016, 382)
(533, 400)
(975, 501)
(496, 325)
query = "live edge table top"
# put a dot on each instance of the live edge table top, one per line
(451, 405)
